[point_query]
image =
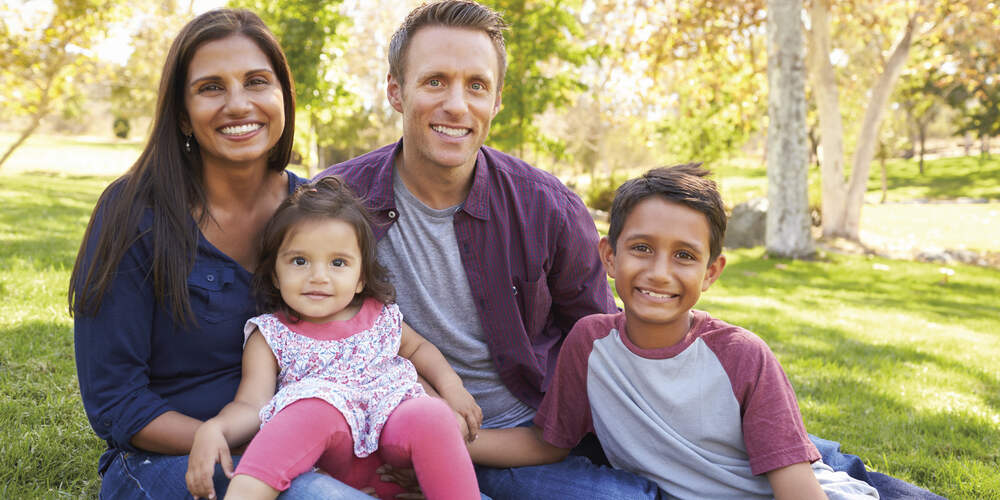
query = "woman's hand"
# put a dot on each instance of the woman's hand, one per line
(209, 448)
(465, 407)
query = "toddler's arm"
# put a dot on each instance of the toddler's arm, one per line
(237, 422)
(514, 447)
(432, 366)
(796, 481)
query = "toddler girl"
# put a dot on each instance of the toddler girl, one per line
(344, 365)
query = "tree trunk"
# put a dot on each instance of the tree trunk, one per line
(831, 130)
(788, 222)
(885, 181)
(40, 111)
(36, 120)
(842, 201)
(868, 135)
(923, 142)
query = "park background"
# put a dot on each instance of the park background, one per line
(888, 326)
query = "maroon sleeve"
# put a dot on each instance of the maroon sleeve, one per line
(773, 431)
(564, 415)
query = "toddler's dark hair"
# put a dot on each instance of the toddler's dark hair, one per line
(325, 198)
(686, 184)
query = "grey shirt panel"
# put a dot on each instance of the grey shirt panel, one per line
(421, 252)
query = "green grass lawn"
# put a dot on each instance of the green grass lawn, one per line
(897, 365)
(944, 179)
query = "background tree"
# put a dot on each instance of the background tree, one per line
(843, 193)
(921, 96)
(310, 31)
(788, 222)
(544, 52)
(973, 85)
(45, 58)
(710, 56)
(135, 84)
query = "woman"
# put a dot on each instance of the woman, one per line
(160, 289)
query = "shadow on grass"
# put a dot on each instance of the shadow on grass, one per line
(840, 382)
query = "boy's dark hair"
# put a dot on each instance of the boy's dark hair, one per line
(686, 184)
(454, 14)
(326, 198)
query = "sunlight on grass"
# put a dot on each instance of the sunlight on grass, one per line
(73, 155)
(956, 226)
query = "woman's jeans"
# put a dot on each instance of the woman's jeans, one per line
(150, 476)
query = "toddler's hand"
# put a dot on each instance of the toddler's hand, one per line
(209, 448)
(465, 407)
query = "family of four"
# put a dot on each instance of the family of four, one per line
(242, 332)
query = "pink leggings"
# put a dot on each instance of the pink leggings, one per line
(420, 433)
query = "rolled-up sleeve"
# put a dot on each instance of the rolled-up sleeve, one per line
(113, 352)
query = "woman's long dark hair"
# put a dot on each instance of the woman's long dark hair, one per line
(167, 180)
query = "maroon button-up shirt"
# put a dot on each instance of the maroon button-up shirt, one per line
(529, 247)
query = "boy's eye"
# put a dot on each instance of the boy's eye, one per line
(338, 263)
(641, 247)
(683, 254)
(299, 261)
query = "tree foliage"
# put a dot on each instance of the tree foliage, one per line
(544, 52)
(309, 32)
(135, 85)
(711, 56)
(45, 58)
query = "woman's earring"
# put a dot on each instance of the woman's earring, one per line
(187, 143)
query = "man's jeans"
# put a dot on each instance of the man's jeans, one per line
(889, 488)
(575, 477)
(150, 476)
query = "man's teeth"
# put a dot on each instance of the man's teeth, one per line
(453, 132)
(241, 129)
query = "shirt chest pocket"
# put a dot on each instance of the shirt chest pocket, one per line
(535, 301)
(211, 292)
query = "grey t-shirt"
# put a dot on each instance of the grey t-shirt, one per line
(432, 290)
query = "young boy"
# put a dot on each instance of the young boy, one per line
(699, 406)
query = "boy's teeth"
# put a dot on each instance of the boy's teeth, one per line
(241, 129)
(453, 132)
(657, 295)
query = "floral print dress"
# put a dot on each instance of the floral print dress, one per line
(353, 365)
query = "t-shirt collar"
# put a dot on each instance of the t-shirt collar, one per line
(476, 203)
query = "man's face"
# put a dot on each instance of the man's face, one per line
(448, 96)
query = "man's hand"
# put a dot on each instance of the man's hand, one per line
(465, 407)
(405, 478)
(209, 448)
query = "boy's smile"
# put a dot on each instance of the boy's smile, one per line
(660, 267)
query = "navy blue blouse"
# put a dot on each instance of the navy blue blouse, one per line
(134, 362)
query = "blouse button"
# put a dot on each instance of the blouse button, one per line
(392, 214)
(515, 289)
(210, 278)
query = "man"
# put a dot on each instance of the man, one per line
(493, 260)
